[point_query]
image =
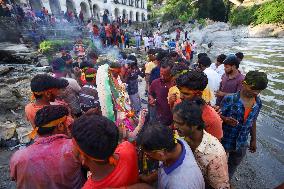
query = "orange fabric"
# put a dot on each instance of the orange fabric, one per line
(31, 110)
(247, 112)
(213, 122)
(124, 174)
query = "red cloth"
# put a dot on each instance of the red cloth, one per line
(48, 163)
(124, 174)
(213, 122)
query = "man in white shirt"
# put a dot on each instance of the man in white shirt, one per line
(213, 78)
(158, 41)
(219, 66)
(146, 42)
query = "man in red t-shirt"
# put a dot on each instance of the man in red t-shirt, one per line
(191, 86)
(95, 140)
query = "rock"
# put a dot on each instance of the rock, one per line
(5, 69)
(266, 30)
(7, 130)
(23, 134)
(9, 98)
(43, 61)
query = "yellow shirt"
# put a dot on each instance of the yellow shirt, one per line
(149, 67)
(174, 90)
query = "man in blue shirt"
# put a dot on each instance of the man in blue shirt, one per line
(239, 113)
(155, 73)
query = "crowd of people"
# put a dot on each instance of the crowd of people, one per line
(196, 125)
(90, 130)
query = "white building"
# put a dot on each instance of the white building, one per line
(135, 10)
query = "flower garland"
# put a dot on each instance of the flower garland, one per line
(104, 92)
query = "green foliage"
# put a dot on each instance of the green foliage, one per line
(243, 16)
(52, 46)
(269, 12)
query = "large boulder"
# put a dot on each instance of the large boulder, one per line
(9, 98)
(7, 130)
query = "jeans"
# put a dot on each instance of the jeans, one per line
(235, 158)
(138, 41)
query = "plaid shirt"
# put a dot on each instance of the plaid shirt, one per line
(236, 137)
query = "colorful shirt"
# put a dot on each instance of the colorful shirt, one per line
(184, 173)
(230, 85)
(48, 163)
(149, 67)
(212, 160)
(124, 174)
(236, 137)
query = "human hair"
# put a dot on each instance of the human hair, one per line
(161, 54)
(240, 55)
(205, 61)
(178, 69)
(123, 55)
(48, 114)
(96, 135)
(257, 80)
(167, 63)
(151, 51)
(193, 80)
(155, 136)
(133, 59)
(43, 82)
(232, 60)
(190, 111)
(201, 55)
(92, 55)
(221, 58)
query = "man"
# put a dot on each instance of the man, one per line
(208, 151)
(66, 57)
(239, 113)
(149, 67)
(112, 165)
(88, 95)
(155, 73)
(191, 86)
(137, 39)
(45, 89)
(178, 167)
(158, 40)
(158, 92)
(232, 79)
(219, 66)
(131, 78)
(214, 79)
(58, 67)
(49, 161)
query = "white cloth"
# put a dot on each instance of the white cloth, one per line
(73, 84)
(220, 69)
(90, 27)
(214, 81)
(193, 47)
(158, 41)
(146, 41)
